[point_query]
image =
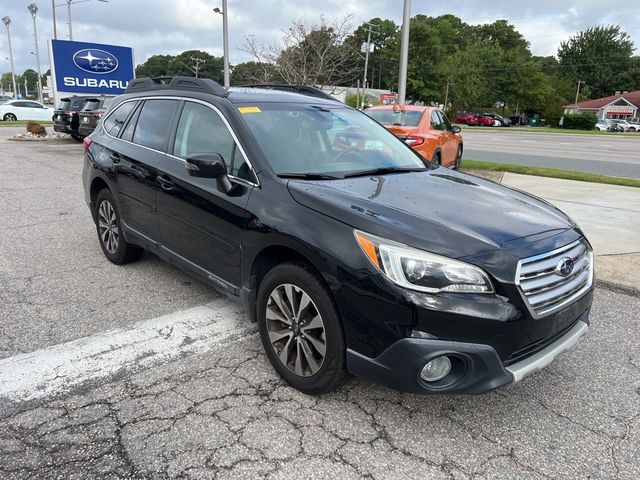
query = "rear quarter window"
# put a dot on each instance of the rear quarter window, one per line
(115, 121)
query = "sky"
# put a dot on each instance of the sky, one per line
(172, 26)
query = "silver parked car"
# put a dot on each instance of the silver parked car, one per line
(626, 126)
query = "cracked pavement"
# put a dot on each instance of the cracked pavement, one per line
(222, 412)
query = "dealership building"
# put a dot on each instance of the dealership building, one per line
(622, 105)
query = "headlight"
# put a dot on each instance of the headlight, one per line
(420, 270)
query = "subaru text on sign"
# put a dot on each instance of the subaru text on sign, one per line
(93, 68)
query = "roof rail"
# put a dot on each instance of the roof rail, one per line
(302, 89)
(193, 84)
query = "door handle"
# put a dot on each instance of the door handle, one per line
(115, 157)
(165, 183)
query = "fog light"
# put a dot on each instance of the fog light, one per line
(436, 369)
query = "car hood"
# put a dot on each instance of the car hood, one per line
(439, 210)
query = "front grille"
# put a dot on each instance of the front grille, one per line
(544, 288)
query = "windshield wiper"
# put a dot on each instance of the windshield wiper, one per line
(383, 170)
(308, 176)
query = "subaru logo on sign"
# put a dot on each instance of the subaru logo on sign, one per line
(95, 61)
(565, 267)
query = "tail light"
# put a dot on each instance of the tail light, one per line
(86, 143)
(413, 140)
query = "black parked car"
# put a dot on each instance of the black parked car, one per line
(350, 251)
(91, 113)
(503, 121)
(66, 116)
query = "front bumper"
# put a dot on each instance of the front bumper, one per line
(476, 368)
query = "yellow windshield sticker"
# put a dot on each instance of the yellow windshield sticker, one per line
(249, 109)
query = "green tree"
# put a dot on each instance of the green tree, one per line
(31, 76)
(155, 66)
(190, 62)
(254, 72)
(601, 56)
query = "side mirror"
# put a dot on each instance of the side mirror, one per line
(456, 129)
(209, 165)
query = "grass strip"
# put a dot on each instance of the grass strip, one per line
(23, 123)
(550, 172)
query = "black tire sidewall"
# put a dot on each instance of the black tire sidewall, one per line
(122, 254)
(10, 117)
(332, 370)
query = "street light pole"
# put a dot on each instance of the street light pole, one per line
(404, 53)
(33, 9)
(7, 22)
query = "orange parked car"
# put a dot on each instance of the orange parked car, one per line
(425, 129)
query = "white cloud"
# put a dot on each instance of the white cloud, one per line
(170, 26)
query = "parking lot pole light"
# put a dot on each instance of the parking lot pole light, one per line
(33, 9)
(7, 22)
(225, 40)
(55, 28)
(404, 53)
(69, 19)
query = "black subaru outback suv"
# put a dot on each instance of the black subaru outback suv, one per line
(352, 253)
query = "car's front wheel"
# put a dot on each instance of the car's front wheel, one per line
(300, 328)
(108, 224)
(10, 117)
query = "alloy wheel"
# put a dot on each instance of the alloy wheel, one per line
(10, 117)
(108, 226)
(296, 330)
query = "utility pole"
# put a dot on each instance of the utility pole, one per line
(580, 82)
(53, 10)
(366, 65)
(197, 62)
(33, 9)
(404, 53)
(446, 97)
(7, 22)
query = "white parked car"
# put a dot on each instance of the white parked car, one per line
(628, 127)
(24, 110)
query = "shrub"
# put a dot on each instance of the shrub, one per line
(580, 121)
(36, 129)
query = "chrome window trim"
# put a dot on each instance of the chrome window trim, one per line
(202, 102)
(575, 296)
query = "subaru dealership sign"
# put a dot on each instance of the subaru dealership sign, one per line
(93, 68)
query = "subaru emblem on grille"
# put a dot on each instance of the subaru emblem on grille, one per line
(565, 267)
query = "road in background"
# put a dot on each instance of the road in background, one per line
(603, 154)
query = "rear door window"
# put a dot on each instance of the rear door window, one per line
(152, 127)
(116, 120)
(436, 122)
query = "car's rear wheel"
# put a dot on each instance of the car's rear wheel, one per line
(10, 117)
(300, 328)
(108, 224)
(436, 159)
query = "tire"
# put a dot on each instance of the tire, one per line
(112, 242)
(458, 162)
(10, 117)
(436, 159)
(298, 338)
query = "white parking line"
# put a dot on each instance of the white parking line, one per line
(58, 369)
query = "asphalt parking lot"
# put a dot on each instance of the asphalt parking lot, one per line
(604, 154)
(143, 372)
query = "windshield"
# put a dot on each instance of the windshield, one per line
(333, 142)
(403, 118)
